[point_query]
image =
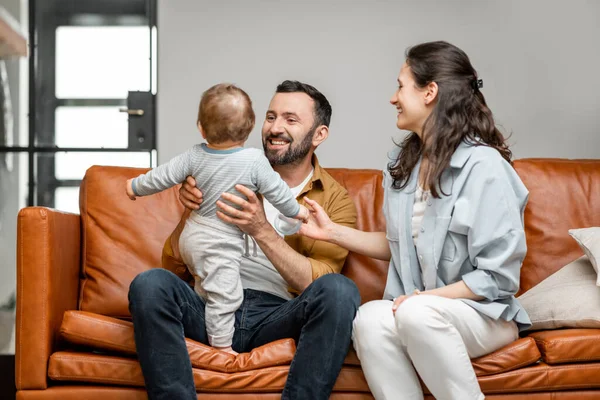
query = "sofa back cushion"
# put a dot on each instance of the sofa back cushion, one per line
(122, 238)
(364, 187)
(563, 194)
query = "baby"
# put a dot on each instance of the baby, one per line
(211, 248)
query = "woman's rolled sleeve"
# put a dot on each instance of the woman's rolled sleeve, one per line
(498, 267)
(496, 238)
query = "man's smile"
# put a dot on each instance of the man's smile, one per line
(277, 143)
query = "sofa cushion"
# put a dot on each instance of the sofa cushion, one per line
(543, 377)
(589, 241)
(99, 392)
(568, 345)
(97, 331)
(120, 237)
(518, 354)
(525, 383)
(563, 194)
(113, 370)
(515, 355)
(114, 335)
(567, 298)
(87, 392)
(364, 187)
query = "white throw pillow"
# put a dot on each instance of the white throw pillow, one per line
(569, 298)
(589, 241)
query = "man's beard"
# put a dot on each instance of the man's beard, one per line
(293, 154)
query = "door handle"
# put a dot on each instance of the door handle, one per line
(132, 112)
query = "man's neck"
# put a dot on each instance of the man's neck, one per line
(294, 174)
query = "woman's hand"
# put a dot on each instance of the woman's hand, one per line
(189, 195)
(318, 226)
(401, 299)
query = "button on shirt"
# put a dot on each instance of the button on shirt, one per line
(421, 201)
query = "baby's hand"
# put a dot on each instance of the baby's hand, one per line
(303, 214)
(129, 189)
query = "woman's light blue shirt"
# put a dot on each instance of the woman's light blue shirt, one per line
(474, 233)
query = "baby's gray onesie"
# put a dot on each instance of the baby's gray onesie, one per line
(211, 248)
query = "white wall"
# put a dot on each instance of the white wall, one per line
(539, 60)
(10, 201)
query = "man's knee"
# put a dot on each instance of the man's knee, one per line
(150, 284)
(337, 292)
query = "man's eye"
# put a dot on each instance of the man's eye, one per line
(291, 120)
(270, 118)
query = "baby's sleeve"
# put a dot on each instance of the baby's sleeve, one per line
(164, 176)
(273, 188)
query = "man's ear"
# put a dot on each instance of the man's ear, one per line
(201, 131)
(321, 133)
(431, 92)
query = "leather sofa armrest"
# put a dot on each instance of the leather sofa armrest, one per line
(48, 267)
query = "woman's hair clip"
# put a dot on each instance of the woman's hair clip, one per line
(476, 84)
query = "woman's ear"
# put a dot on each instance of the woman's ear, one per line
(431, 91)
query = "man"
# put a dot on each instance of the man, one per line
(292, 286)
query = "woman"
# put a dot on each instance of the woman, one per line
(455, 240)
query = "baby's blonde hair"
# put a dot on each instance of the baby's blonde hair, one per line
(225, 113)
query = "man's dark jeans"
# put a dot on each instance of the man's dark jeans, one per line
(165, 309)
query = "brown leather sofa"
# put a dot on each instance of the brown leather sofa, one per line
(74, 340)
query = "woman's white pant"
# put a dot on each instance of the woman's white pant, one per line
(433, 335)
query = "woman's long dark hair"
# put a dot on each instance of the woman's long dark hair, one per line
(459, 114)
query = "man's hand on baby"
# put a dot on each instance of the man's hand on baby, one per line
(129, 189)
(248, 215)
(189, 195)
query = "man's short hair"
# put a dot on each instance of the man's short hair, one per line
(225, 113)
(322, 110)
